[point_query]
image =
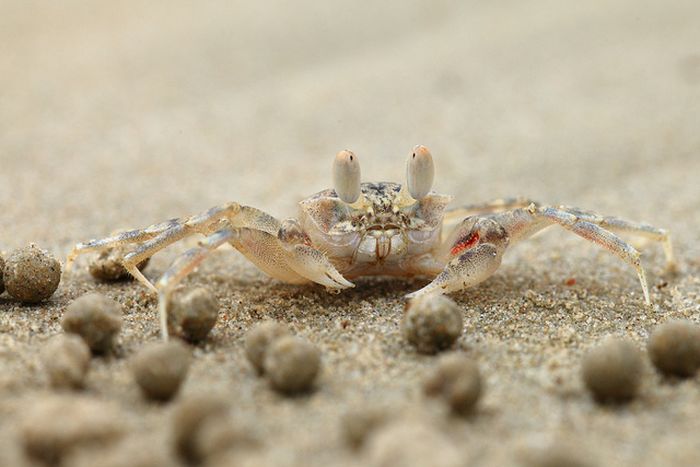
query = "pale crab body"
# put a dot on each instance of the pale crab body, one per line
(357, 229)
(385, 233)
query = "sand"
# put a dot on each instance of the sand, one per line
(123, 114)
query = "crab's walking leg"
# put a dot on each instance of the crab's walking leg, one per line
(614, 224)
(182, 266)
(123, 238)
(460, 213)
(475, 247)
(155, 238)
(522, 223)
(456, 215)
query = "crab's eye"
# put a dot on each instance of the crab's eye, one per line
(420, 172)
(346, 176)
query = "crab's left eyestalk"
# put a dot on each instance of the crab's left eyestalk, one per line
(420, 172)
(346, 176)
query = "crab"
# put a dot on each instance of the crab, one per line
(358, 229)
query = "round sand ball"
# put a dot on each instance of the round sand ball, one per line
(96, 318)
(189, 418)
(135, 450)
(457, 380)
(357, 425)
(411, 443)
(160, 368)
(107, 265)
(612, 371)
(258, 339)
(674, 348)
(31, 274)
(52, 427)
(220, 434)
(2, 283)
(557, 452)
(66, 358)
(292, 364)
(432, 323)
(192, 314)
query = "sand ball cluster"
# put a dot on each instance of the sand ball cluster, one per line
(95, 318)
(456, 380)
(54, 426)
(357, 425)
(290, 363)
(612, 371)
(160, 368)
(66, 359)
(192, 314)
(432, 323)
(204, 429)
(258, 339)
(674, 348)
(107, 265)
(31, 274)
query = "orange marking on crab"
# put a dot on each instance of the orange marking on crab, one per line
(464, 244)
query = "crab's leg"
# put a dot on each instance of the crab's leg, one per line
(456, 215)
(182, 266)
(473, 253)
(614, 224)
(522, 223)
(306, 260)
(156, 237)
(123, 238)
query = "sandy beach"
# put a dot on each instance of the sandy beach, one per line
(120, 115)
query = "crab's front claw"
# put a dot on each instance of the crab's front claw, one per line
(309, 262)
(463, 271)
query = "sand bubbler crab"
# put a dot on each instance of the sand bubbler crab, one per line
(357, 229)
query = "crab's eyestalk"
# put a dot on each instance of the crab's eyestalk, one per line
(420, 172)
(346, 176)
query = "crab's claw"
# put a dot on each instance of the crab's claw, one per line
(309, 262)
(463, 271)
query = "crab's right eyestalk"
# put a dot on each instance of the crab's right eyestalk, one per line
(420, 172)
(346, 176)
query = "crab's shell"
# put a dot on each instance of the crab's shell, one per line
(384, 228)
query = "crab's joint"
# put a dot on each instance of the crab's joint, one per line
(465, 243)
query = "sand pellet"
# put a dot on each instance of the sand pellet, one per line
(192, 313)
(2, 267)
(674, 348)
(189, 417)
(95, 318)
(432, 323)
(53, 426)
(291, 364)
(612, 371)
(66, 359)
(160, 368)
(258, 339)
(357, 425)
(456, 380)
(107, 265)
(411, 444)
(31, 274)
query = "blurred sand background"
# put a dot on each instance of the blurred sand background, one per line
(120, 114)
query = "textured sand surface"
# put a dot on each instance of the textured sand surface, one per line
(124, 114)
